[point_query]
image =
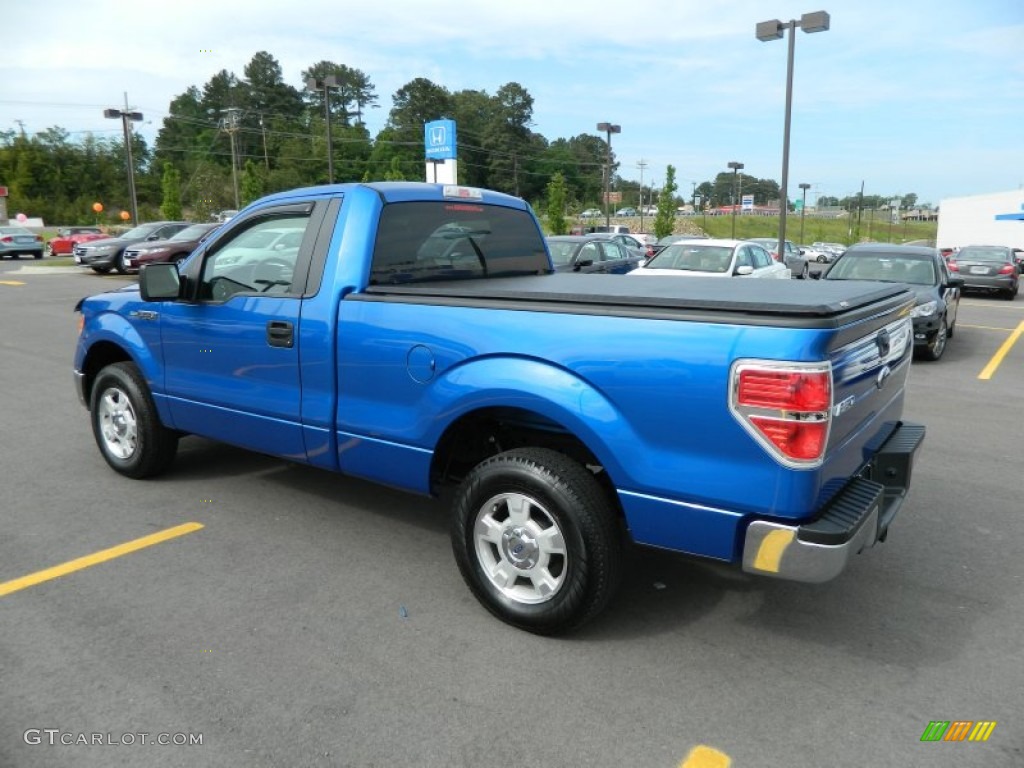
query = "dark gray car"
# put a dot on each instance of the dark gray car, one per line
(988, 268)
(582, 253)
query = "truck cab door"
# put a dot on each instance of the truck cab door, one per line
(231, 352)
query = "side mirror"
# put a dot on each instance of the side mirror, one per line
(584, 263)
(801, 251)
(159, 282)
(743, 271)
(956, 282)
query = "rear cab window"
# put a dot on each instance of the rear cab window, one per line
(447, 240)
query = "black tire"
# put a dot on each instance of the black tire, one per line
(126, 425)
(805, 272)
(121, 264)
(933, 349)
(39, 255)
(101, 270)
(560, 504)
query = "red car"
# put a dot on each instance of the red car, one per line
(67, 237)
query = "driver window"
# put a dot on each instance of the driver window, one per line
(589, 252)
(611, 252)
(761, 258)
(743, 258)
(258, 259)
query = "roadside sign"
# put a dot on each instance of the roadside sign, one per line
(439, 140)
(3, 191)
(748, 202)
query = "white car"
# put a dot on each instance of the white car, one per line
(714, 258)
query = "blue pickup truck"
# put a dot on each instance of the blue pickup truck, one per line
(415, 335)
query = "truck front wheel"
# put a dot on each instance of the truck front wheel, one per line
(536, 538)
(126, 425)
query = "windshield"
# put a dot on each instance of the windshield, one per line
(885, 268)
(974, 253)
(192, 233)
(140, 232)
(561, 252)
(693, 257)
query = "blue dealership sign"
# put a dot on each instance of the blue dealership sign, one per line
(439, 140)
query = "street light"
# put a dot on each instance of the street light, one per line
(126, 117)
(803, 209)
(736, 168)
(325, 85)
(609, 129)
(773, 30)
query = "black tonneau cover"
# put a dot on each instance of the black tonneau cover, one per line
(807, 303)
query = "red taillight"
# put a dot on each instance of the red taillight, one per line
(1007, 269)
(953, 266)
(785, 390)
(7, 239)
(803, 440)
(39, 238)
(787, 407)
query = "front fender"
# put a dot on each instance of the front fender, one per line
(108, 336)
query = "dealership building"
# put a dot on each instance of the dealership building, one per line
(993, 219)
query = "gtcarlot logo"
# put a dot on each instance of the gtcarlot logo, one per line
(56, 737)
(958, 730)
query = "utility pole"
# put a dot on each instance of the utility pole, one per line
(266, 156)
(230, 124)
(641, 165)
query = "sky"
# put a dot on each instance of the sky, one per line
(922, 96)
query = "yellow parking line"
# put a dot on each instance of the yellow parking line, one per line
(11, 282)
(706, 757)
(989, 371)
(56, 571)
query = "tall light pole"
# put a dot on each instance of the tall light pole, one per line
(803, 209)
(736, 168)
(773, 30)
(641, 165)
(609, 129)
(127, 115)
(325, 85)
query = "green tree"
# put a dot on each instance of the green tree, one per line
(556, 205)
(394, 173)
(665, 221)
(252, 184)
(170, 208)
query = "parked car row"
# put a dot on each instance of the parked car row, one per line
(937, 284)
(109, 253)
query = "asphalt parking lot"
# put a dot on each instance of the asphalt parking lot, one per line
(312, 620)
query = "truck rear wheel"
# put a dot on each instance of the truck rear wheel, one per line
(126, 425)
(535, 536)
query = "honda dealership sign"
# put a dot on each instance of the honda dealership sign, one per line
(439, 140)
